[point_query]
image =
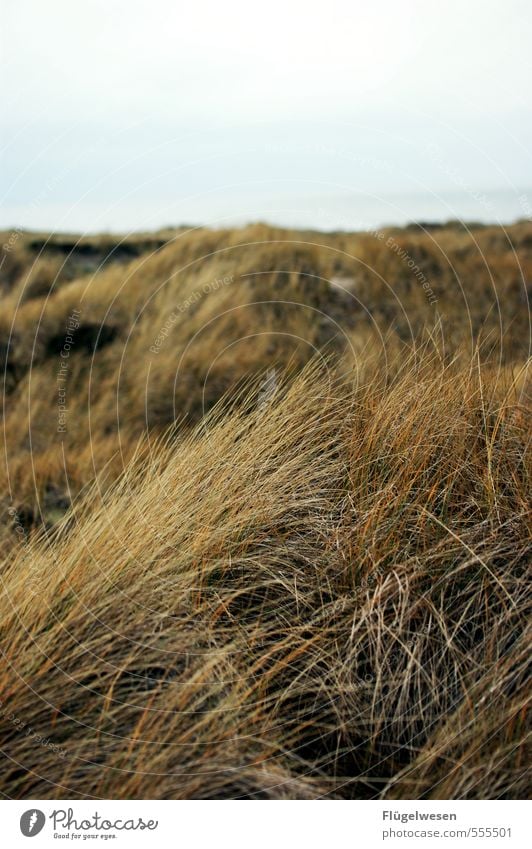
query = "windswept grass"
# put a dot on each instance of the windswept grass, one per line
(275, 559)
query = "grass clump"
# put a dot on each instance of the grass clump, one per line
(284, 555)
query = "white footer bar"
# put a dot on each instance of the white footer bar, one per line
(264, 825)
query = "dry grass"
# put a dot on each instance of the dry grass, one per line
(314, 589)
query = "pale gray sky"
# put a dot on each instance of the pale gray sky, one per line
(137, 113)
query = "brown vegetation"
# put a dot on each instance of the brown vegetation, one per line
(213, 589)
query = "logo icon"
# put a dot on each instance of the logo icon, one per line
(32, 822)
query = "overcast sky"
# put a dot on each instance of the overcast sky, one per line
(139, 113)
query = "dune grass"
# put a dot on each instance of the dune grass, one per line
(213, 589)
